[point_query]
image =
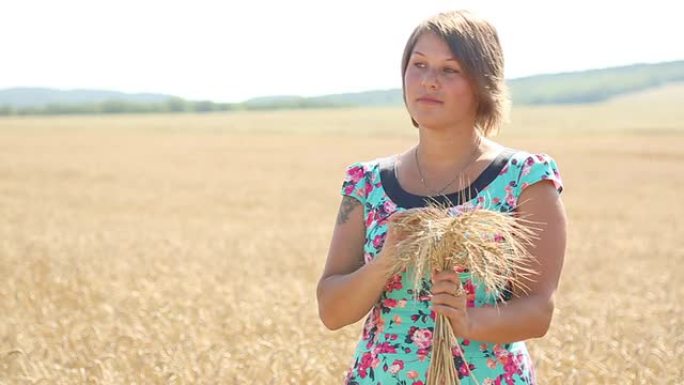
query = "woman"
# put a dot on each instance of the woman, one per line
(454, 91)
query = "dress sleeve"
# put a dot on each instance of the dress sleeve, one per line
(536, 168)
(354, 184)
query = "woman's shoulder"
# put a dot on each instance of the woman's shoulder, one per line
(370, 165)
(530, 166)
(362, 175)
(521, 156)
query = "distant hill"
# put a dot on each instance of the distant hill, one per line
(366, 98)
(594, 85)
(562, 88)
(36, 97)
(573, 87)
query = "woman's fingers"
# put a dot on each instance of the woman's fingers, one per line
(450, 311)
(447, 287)
(447, 290)
(439, 277)
(454, 301)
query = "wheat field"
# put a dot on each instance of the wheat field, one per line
(186, 249)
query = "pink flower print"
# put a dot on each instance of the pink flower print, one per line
(394, 283)
(412, 330)
(422, 338)
(504, 170)
(389, 303)
(396, 366)
(389, 207)
(412, 375)
(356, 173)
(402, 303)
(349, 189)
(379, 240)
(496, 200)
(527, 167)
(385, 347)
(366, 361)
(499, 351)
(377, 319)
(491, 364)
(511, 367)
(370, 219)
(368, 189)
(510, 197)
(418, 383)
(503, 359)
(422, 354)
(397, 320)
(470, 293)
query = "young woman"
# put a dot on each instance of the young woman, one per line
(454, 91)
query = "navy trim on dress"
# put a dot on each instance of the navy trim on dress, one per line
(407, 200)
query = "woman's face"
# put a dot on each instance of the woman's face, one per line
(438, 93)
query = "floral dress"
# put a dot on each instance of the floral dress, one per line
(395, 345)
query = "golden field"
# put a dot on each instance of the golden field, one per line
(186, 249)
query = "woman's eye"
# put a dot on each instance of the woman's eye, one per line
(419, 65)
(451, 70)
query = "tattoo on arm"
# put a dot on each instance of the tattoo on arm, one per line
(347, 206)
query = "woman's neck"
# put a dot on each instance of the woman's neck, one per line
(448, 149)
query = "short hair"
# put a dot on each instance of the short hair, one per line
(475, 44)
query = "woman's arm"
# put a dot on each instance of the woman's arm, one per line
(527, 315)
(349, 288)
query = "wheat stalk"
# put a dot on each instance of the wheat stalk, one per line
(490, 244)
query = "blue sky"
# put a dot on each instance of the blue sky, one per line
(234, 50)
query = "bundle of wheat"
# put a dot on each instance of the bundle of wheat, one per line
(491, 245)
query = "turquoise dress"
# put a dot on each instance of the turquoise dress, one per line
(395, 343)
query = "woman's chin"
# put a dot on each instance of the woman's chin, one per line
(431, 124)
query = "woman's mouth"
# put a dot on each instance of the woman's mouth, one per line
(429, 100)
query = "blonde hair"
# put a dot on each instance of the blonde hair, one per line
(475, 44)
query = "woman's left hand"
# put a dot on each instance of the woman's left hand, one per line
(449, 298)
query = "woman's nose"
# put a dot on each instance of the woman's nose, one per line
(430, 80)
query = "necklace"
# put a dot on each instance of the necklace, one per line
(422, 178)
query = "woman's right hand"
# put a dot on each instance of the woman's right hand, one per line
(393, 237)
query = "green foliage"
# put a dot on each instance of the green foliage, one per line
(575, 87)
(595, 85)
(118, 106)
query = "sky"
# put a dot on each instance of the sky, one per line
(230, 51)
